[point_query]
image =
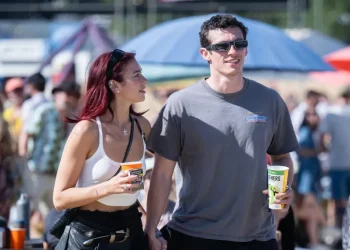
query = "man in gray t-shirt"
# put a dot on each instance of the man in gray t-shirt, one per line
(336, 124)
(219, 130)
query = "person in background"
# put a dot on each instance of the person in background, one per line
(336, 126)
(312, 99)
(220, 157)
(66, 98)
(35, 87)
(14, 89)
(8, 173)
(3, 97)
(41, 142)
(308, 180)
(291, 102)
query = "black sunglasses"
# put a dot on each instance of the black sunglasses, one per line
(226, 46)
(116, 56)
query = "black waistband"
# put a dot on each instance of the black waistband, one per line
(107, 221)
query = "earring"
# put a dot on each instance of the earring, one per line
(118, 91)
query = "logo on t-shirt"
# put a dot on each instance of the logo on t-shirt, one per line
(255, 118)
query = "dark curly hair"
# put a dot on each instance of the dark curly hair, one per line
(220, 22)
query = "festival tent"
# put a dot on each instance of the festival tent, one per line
(331, 77)
(339, 59)
(76, 40)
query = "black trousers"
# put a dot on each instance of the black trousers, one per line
(287, 228)
(89, 225)
(180, 241)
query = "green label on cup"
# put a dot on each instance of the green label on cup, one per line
(277, 180)
(276, 172)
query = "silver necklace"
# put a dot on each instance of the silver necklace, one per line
(124, 131)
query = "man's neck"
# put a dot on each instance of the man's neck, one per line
(226, 85)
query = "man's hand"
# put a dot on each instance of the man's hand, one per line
(285, 198)
(157, 243)
(157, 201)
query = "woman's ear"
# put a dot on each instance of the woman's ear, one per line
(113, 85)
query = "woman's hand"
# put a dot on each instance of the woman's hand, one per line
(122, 184)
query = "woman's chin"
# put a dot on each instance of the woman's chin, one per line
(140, 99)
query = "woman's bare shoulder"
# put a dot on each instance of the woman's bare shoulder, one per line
(85, 129)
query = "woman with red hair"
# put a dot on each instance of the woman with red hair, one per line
(108, 132)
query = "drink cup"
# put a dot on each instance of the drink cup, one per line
(134, 168)
(277, 183)
(17, 238)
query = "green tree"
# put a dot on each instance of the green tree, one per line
(331, 17)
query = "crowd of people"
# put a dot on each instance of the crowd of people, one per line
(34, 133)
(322, 183)
(205, 171)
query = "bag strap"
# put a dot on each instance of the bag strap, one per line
(140, 129)
(131, 137)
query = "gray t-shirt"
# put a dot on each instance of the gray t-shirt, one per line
(220, 142)
(337, 124)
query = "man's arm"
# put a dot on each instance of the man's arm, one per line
(159, 190)
(284, 160)
(23, 144)
(325, 140)
(325, 128)
(45, 245)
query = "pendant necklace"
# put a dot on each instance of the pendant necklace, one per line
(124, 131)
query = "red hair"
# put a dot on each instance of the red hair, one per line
(98, 96)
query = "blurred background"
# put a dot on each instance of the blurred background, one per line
(298, 47)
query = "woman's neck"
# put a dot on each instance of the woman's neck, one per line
(121, 113)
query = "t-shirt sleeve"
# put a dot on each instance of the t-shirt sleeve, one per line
(165, 135)
(283, 140)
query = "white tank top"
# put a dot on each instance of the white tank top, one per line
(99, 168)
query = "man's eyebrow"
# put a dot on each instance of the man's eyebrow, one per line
(238, 39)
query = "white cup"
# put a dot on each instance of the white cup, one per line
(277, 183)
